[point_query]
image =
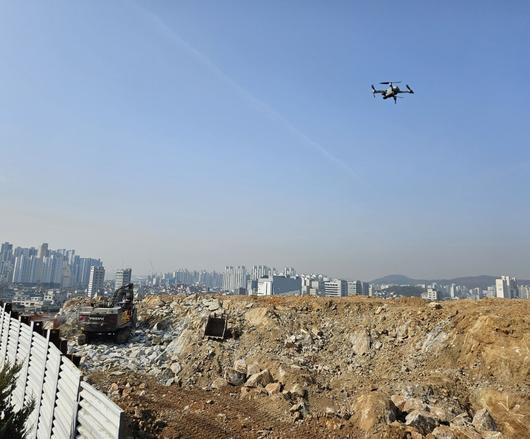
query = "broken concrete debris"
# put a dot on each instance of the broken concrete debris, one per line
(365, 366)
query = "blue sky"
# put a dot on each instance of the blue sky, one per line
(200, 134)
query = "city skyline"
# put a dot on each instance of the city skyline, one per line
(252, 270)
(182, 133)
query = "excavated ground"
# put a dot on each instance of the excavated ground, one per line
(317, 367)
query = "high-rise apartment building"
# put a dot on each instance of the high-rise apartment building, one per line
(96, 280)
(289, 271)
(235, 278)
(506, 287)
(123, 277)
(82, 270)
(524, 292)
(43, 250)
(259, 271)
(6, 251)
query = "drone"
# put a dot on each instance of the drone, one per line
(392, 91)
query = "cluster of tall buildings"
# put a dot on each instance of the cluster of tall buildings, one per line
(262, 280)
(182, 276)
(43, 265)
(63, 268)
(238, 278)
(235, 278)
(507, 287)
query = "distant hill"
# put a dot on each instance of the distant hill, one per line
(405, 290)
(482, 281)
(396, 279)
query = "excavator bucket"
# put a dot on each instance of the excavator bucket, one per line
(216, 327)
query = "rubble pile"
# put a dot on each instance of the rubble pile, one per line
(357, 366)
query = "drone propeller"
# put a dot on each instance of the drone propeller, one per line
(373, 90)
(409, 89)
(390, 82)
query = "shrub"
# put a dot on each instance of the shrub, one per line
(12, 423)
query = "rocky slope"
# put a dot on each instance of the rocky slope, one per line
(315, 367)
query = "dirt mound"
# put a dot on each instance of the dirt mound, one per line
(416, 368)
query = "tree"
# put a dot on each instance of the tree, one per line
(12, 423)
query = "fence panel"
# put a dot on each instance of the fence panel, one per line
(65, 406)
(35, 380)
(98, 416)
(67, 400)
(12, 343)
(49, 393)
(2, 314)
(23, 354)
(6, 320)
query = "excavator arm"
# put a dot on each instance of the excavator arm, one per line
(124, 293)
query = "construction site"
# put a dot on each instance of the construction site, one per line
(201, 366)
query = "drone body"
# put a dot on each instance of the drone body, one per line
(392, 91)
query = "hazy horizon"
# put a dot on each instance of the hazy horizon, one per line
(160, 135)
(110, 270)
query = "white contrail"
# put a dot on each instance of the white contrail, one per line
(256, 102)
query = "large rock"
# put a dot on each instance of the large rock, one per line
(434, 340)
(253, 369)
(422, 421)
(178, 345)
(462, 420)
(442, 413)
(361, 342)
(212, 305)
(511, 411)
(483, 421)
(240, 366)
(175, 368)
(371, 409)
(234, 377)
(259, 379)
(301, 408)
(413, 404)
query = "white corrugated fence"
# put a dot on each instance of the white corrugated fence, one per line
(65, 405)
